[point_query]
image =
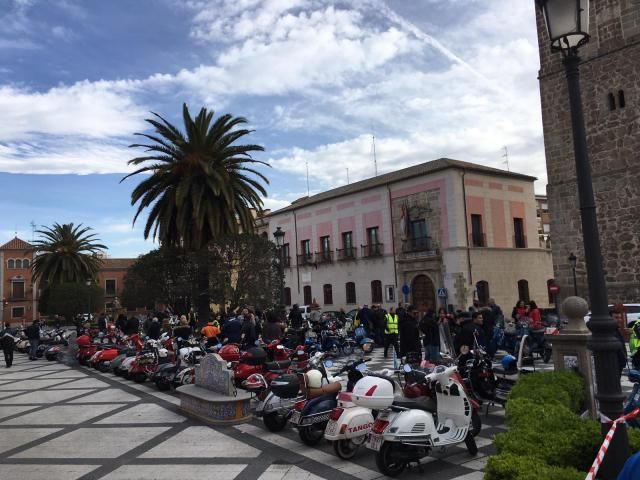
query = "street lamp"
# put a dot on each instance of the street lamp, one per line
(89, 282)
(279, 236)
(567, 23)
(573, 260)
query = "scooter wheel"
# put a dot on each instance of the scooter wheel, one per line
(163, 385)
(139, 377)
(347, 349)
(345, 448)
(470, 442)
(310, 436)
(386, 463)
(476, 423)
(274, 422)
(547, 355)
(103, 368)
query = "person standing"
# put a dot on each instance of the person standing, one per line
(211, 332)
(378, 322)
(431, 334)
(295, 323)
(391, 332)
(248, 336)
(8, 338)
(102, 323)
(409, 333)
(471, 330)
(33, 334)
(154, 329)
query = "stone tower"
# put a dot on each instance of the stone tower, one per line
(610, 81)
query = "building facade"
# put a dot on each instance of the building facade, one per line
(111, 278)
(544, 221)
(441, 226)
(610, 82)
(18, 292)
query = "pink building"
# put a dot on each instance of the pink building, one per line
(443, 226)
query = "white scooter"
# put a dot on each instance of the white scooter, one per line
(401, 436)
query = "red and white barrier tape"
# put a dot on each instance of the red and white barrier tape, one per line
(607, 440)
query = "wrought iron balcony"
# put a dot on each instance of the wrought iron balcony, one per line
(324, 257)
(286, 261)
(373, 250)
(305, 259)
(478, 239)
(345, 254)
(418, 244)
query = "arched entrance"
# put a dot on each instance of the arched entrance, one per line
(423, 293)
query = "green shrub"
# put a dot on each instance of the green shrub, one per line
(564, 387)
(634, 439)
(525, 411)
(515, 467)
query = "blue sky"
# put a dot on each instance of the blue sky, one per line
(315, 78)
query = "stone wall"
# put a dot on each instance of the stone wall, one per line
(611, 64)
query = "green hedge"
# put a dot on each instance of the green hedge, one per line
(565, 388)
(508, 466)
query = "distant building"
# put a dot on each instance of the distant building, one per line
(18, 292)
(544, 221)
(609, 74)
(408, 235)
(20, 296)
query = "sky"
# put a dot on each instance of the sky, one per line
(316, 79)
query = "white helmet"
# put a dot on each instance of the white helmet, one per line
(162, 352)
(314, 379)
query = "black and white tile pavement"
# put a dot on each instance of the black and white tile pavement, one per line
(58, 422)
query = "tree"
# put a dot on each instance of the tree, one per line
(202, 185)
(70, 299)
(66, 253)
(162, 275)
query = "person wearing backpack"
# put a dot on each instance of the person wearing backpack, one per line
(33, 334)
(8, 338)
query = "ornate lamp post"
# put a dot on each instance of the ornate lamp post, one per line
(573, 260)
(279, 237)
(88, 283)
(567, 23)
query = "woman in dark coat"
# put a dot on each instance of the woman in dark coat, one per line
(409, 333)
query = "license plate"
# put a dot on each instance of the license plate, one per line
(295, 417)
(331, 428)
(374, 442)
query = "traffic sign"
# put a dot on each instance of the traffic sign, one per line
(405, 290)
(442, 293)
(554, 289)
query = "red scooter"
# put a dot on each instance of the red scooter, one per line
(254, 361)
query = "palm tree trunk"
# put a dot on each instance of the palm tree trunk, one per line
(203, 288)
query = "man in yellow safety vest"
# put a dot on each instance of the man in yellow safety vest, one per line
(391, 332)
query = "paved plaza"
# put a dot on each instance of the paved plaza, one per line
(60, 422)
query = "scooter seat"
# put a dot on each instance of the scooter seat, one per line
(275, 366)
(428, 406)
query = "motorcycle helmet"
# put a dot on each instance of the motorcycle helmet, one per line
(314, 379)
(509, 363)
(367, 345)
(162, 352)
(230, 353)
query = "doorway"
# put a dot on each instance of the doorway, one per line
(423, 293)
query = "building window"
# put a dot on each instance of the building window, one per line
(350, 289)
(546, 228)
(25, 263)
(390, 294)
(17, 312)
(482, 289)
(347, 244)
(418, 231)
(621, 102)
(18, 263)
(328, 294)
(325, 247)
(374, 247)
(372, 236)
(110, 287)
(306, 251)
(611, 99)
(287, 296)
(519, 238)
(307, 294)
(477, 235)
(11, 264)
(286, 255)
(17, 289)
(376, 291)
(523, 291)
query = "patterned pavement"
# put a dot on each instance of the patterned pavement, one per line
(59, 422)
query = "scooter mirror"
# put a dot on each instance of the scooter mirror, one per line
(328, 363)
(407, 368)
(361, 367)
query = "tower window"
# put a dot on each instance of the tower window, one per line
(612, 102)
(621, 102)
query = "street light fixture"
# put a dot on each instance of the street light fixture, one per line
(88, 283)
(567, 23)
(279, 237)
(573, 260)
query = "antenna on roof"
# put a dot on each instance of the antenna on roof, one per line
(375, 160)
(348, 176)
(506, 157)
(306, 162)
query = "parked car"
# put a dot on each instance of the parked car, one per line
(631, 310)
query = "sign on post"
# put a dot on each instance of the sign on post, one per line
(442, 293)
(554, 289)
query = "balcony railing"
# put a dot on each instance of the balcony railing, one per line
(286, 261)
(418, 244)
(305, 259)
(373, 250)
(478, 239)
(324, 257)
(345, 254)
(519, 241)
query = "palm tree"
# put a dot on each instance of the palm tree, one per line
(66, 253)
(201, 185)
